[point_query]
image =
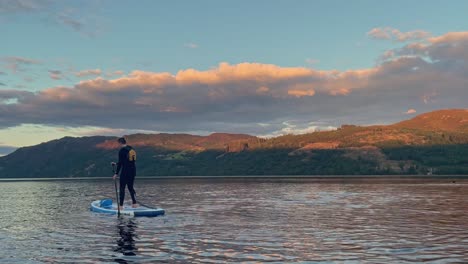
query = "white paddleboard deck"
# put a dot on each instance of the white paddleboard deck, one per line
(107, 206)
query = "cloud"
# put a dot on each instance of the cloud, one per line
(78, 17)
(20, 60)
(448, 50)
(2, 84)
(239, 97)
(115, 73)
(191, 45)
(19, 6)
(99, 131)
(388, 33)
(299, 127)
(55, 74)
(300, 93)
(451, 37)
(262, 89)
(429, 97)
(311, 61)
(10, 96)
(237, 92)
(80, 20)
(66, 18)
(301, 90)
(91, 72)
(410, 111)
(16, 64)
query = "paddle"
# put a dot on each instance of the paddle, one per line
(116, 192)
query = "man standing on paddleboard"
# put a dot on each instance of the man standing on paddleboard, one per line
(127, 159)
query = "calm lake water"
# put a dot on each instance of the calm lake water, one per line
(228, 221)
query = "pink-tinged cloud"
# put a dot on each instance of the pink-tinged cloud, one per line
(379, 33)
(262, 89)
(212, 95)
(301, 90)
(247, 77)
(342, 91)
(451, 37)
(55, 74)
(446, 49)
(410, 111)
(301, 93)
(388, 33)
(241, 72)
(115, 73)
(86, 73)
(15, 64)
(238, 97)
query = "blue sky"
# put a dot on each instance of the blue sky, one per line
(58, 44)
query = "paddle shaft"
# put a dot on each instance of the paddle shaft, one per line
(116, 192)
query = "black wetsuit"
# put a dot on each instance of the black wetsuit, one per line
(127, 176)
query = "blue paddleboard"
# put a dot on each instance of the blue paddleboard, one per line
(107, 206)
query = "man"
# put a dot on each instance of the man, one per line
(127, 159)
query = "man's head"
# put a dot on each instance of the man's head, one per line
(122, 141)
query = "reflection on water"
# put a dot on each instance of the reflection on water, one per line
(215, 221)
(127, 230)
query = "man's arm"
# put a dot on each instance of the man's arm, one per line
(119, 164)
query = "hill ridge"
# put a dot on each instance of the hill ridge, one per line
(436, 141)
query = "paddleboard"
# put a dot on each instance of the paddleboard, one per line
(107, 206)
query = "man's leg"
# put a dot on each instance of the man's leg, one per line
(123, 182)
(131, 190)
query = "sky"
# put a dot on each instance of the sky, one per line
(266, 68)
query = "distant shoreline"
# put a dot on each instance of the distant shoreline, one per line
(318, 178)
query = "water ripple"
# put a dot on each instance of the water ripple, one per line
(237, 221)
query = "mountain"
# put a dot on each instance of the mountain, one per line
(442, 120)
(435, 142)
(181, 142)
(91, 156)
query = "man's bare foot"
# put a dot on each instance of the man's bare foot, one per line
(135, 205)
(120, 208)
